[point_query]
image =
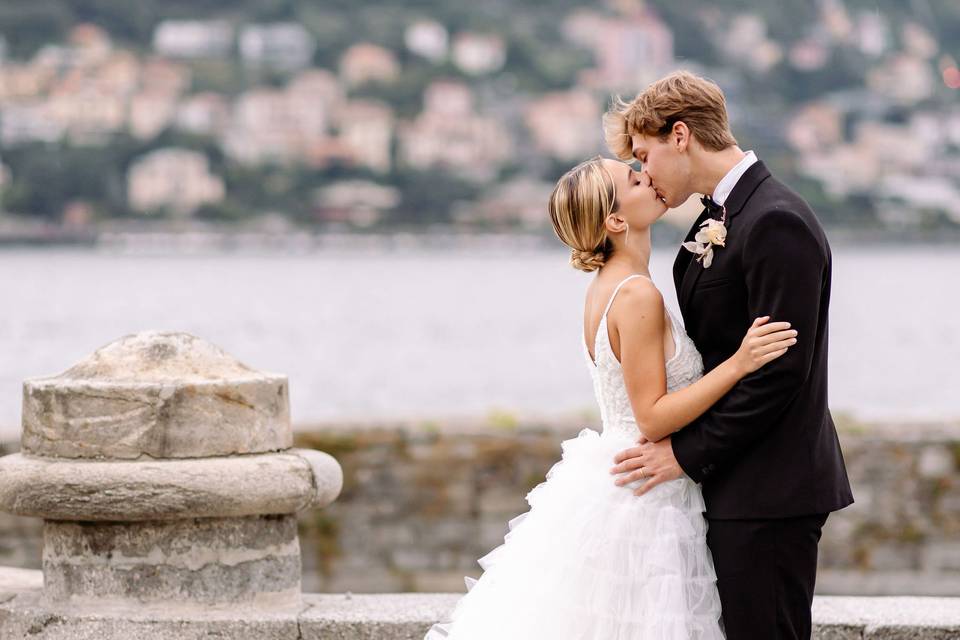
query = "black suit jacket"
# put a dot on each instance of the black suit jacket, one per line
(768, 448)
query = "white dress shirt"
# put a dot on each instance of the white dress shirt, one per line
(729, 181)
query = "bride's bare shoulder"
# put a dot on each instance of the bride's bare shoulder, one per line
(637, 311)
(639, 305)
(640, 294)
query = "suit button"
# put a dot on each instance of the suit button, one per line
(711, 467)
(704, 470)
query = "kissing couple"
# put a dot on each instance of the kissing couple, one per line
(696, 511)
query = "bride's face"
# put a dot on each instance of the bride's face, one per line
(639, 203)
(665, 163)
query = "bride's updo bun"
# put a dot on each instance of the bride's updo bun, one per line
(587, 260)
(579, 204)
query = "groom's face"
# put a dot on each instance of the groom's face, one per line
(665, 163)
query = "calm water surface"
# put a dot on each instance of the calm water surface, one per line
(421, 334)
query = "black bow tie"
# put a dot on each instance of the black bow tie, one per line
(714, 210)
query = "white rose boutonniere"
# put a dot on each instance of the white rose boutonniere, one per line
(715, 234)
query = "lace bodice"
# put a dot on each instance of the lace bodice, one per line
(683, 368)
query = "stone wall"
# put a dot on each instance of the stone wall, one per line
(421, 502)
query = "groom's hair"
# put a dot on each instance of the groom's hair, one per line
(696, 101)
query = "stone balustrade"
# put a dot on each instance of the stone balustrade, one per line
(401, 616)
(163, 471)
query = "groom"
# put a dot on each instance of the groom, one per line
(766, 453)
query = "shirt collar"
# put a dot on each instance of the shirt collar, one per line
(729, 181)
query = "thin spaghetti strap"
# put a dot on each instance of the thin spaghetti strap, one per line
(617, 289)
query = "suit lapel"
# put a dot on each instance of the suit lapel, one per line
(746, 185)
(738, 198)
(685, 262)
(684, 257)
(690, 277)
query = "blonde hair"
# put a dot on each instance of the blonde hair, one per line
(680, 96)
(579, 205)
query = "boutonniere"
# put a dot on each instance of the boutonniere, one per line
(715, 234)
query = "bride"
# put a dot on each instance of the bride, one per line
(596, 558)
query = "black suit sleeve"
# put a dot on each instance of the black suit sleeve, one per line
(784, 266)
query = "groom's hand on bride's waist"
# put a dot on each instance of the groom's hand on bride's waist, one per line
(652, 462)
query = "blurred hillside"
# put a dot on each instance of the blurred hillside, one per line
(347, 115)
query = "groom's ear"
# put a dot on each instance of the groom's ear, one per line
(680, 136)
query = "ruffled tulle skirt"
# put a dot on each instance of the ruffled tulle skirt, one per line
(592, 561)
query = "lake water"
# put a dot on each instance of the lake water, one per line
(434, 333)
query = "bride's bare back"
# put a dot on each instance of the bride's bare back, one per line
(598, 296)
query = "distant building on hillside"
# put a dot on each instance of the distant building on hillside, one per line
(904, 78)
(878, 152)
(479, 53)
(90, 44)
(310, 121)
(264, 128)
(815, 126)
(366, 134)
(872, 33)
(519, 202)
(164, 76)
(174, 179)
(153, 107)
(745, 42)
(282, 45)
(87, 113)
(449, 134)
(120, 73)
(204, 114)
(365, 62)
(428, 39)
(809, 54)
(193, 38)
(19, 81)
(630, 50)
(565, 124)
(319, 87)
(361, 203)
(150, 113)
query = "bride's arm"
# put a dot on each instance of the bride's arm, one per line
(638, 319)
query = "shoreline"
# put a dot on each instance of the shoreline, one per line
(219, 239)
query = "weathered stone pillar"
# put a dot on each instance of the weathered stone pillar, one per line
(163, 471)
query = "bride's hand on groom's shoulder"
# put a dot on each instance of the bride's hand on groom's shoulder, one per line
(652, 462)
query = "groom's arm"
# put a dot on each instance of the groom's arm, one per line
(784, 265)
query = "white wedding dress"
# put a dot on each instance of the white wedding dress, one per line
(590, 560)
